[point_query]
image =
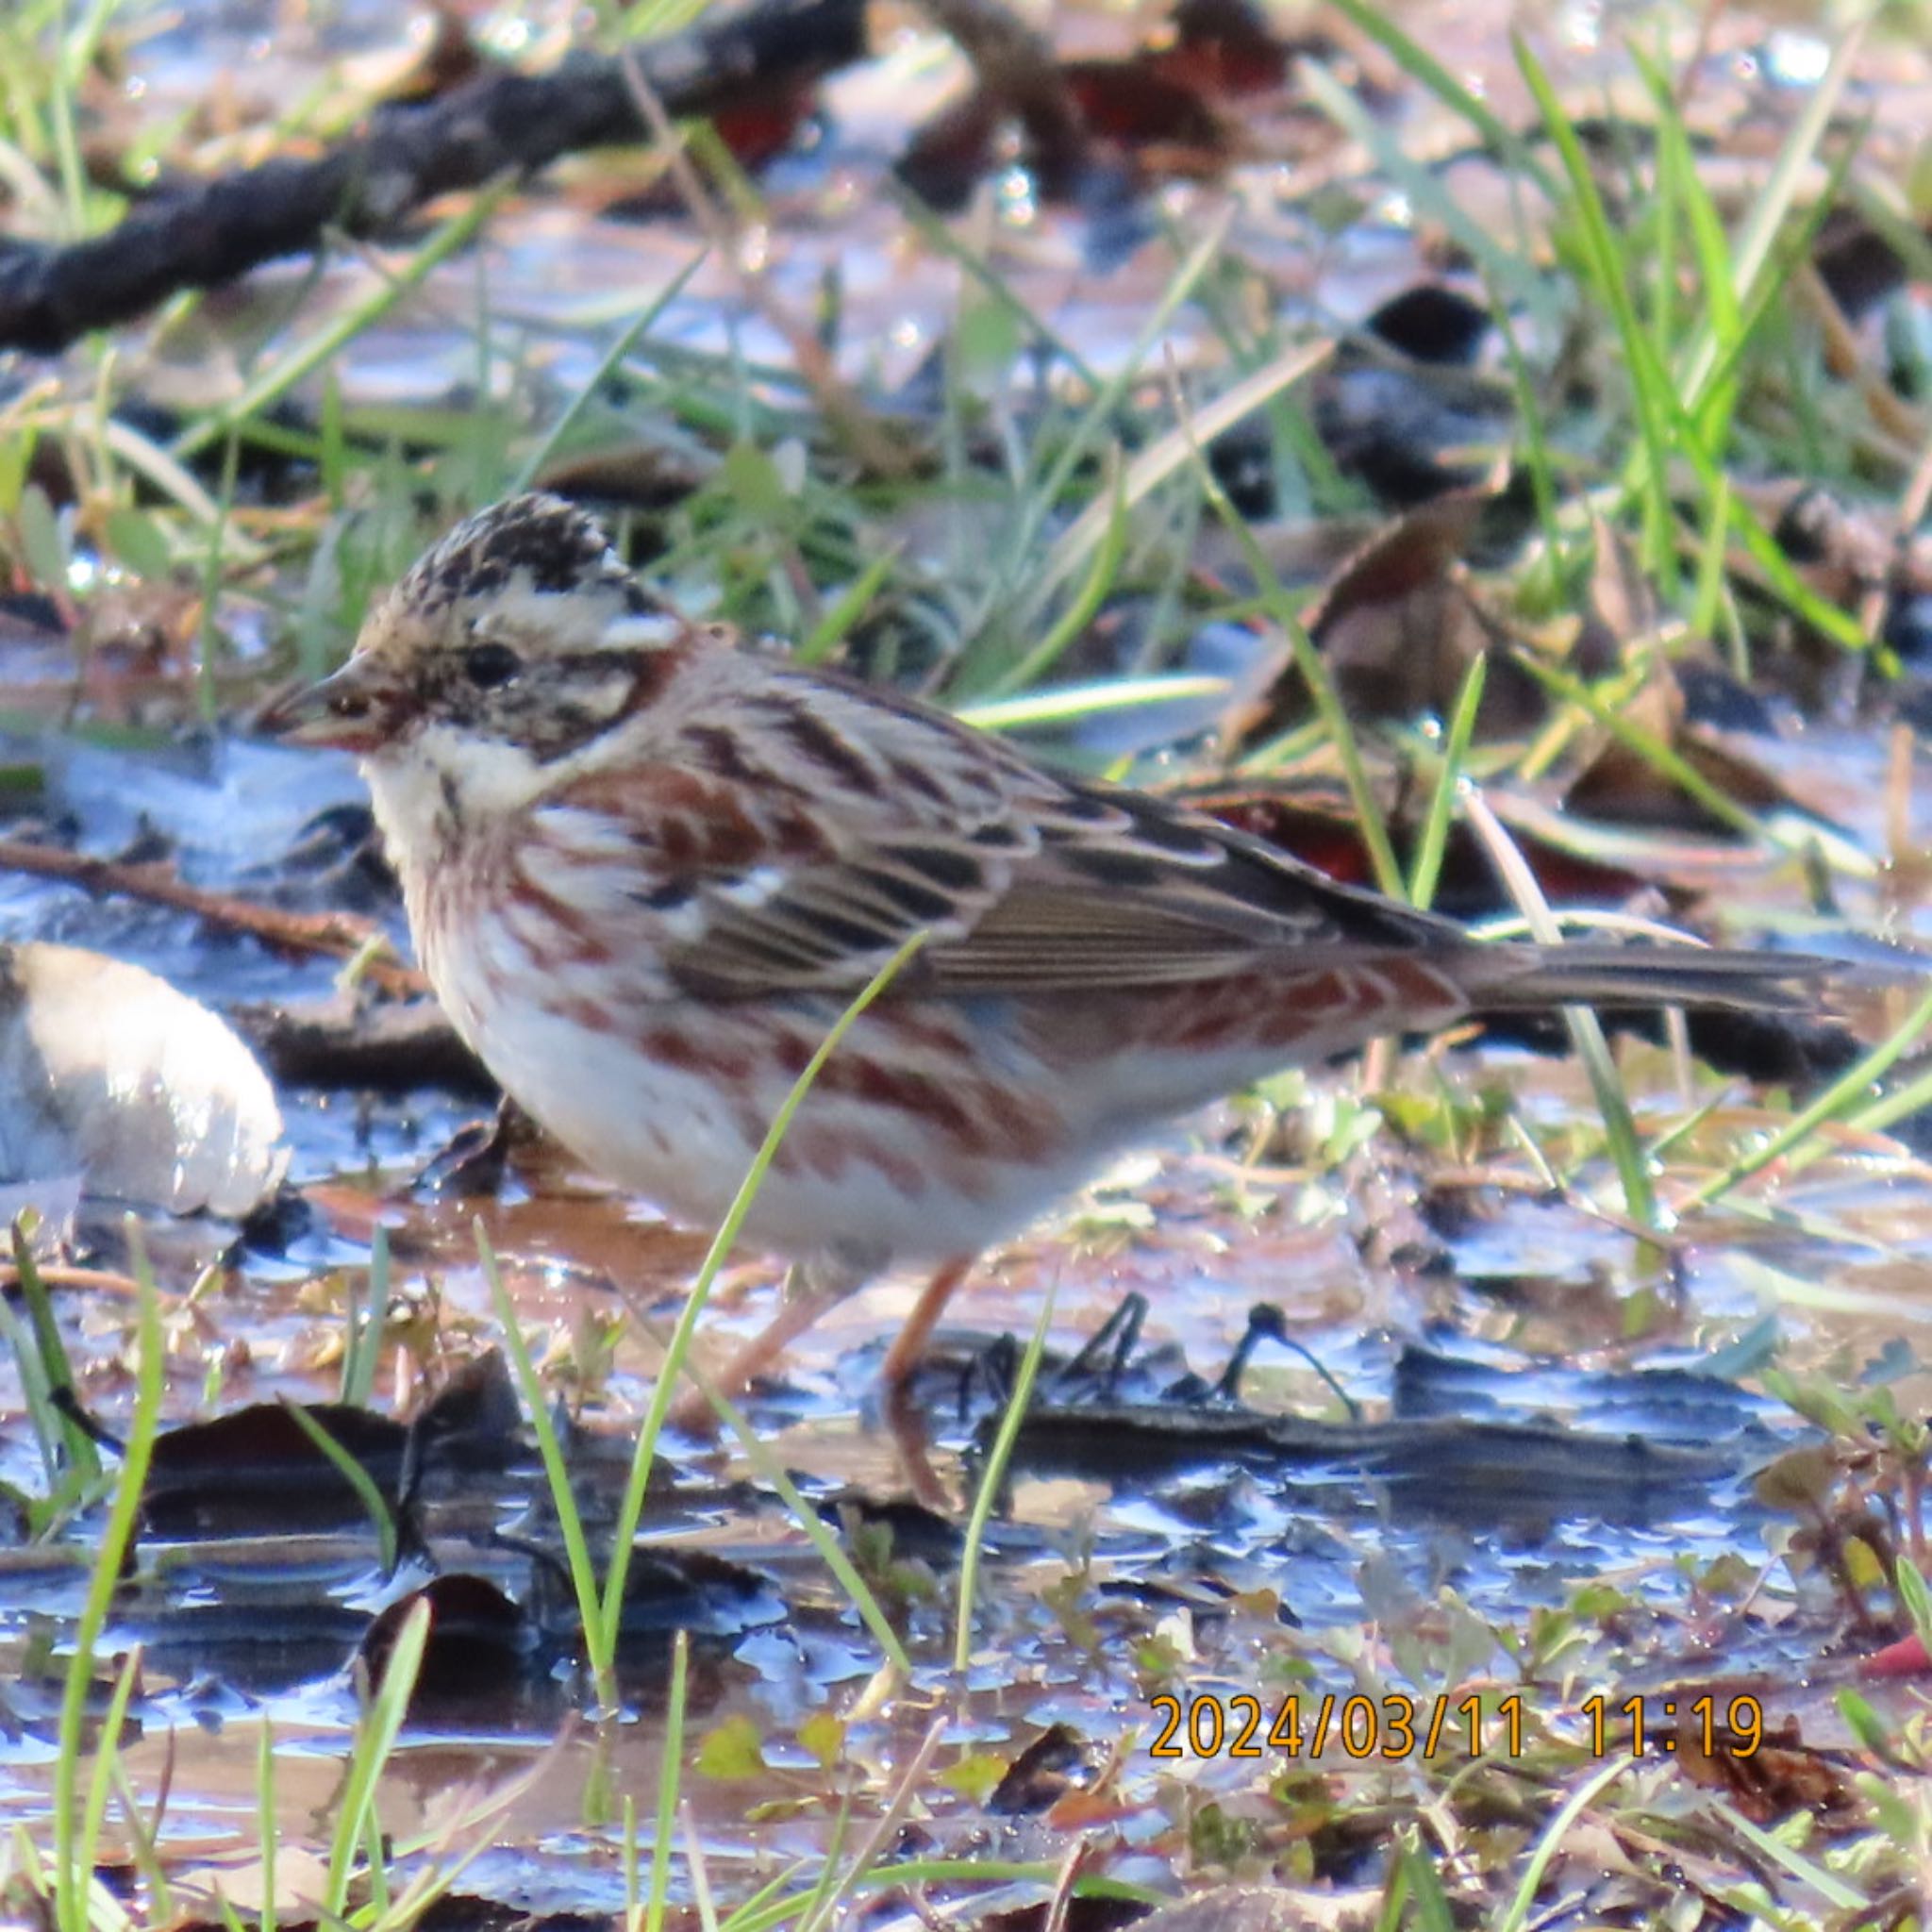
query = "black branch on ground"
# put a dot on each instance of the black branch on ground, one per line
(403, 157)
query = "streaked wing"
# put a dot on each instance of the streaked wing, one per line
(800, 848)
(1142, 893)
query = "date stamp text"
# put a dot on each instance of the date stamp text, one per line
(1312, 1725)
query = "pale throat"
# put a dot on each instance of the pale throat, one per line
(441, 785)
(445, 789)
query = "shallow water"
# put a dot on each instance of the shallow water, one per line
(1132, 1551)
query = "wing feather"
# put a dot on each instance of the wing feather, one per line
(810, 857)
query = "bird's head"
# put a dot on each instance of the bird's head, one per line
(521, 631)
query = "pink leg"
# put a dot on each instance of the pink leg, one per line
(909, 1346)
(805, 1298)
(903, 1420)
(804, 1302)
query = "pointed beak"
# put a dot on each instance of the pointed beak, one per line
(361, 708)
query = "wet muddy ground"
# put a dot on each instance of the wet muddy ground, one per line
(1494, 1401)
(1497, 1451)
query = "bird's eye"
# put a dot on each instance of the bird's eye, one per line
(489, 665)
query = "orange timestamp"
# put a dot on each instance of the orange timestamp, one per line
(1396, 1725)
(1359, 1726)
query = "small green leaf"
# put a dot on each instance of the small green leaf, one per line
(776, 1810)
(139, 542)
(1917, 182)
(753, 478)
(1862, 1565)
(823, 1736)
(41, 538)
(16, 453)
(733, 1750)
(1863, 1722)
(1913, 1596)
(1896, 1818)
(974, 1776)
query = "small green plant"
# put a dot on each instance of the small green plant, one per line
(70, 1461)
(75, 1897)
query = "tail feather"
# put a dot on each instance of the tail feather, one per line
(1627, 976)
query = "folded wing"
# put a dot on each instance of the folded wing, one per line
(800, 840)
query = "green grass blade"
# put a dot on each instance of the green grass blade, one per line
(1279, 606)
(1586, 1031)
(1426, 192)
(631, 1508)
(770, 1470)
(1091, 530)
(108, 1756)
(367, 1318)
(670, 1768)
(1897, 1104)
(1850, 1904)
(1066, 704)
(54, 1369)
(830, 631)
(1663, 759)
(1101, 576)
(947, 245)
(373, 1504)
(1753, 260)
(1423, 66)
(73, 1857)
(990, 1478)
(1042, 496)
(303, 358)
(1610, 274)
(1536, 438)
(376, 1733)
(1517, 1917)
(613, 357)
(600, 1650)
(1427, 869)
(267, 1825)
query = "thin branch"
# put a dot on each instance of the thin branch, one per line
(339, 935)
(407, 155)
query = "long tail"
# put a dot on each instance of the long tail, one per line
(1626, 976)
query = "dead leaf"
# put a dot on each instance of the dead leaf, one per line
(1398, 627)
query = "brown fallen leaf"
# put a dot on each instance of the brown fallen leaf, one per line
(1398, 626)
(1768, 1775)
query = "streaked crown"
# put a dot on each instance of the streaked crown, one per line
(529, 546)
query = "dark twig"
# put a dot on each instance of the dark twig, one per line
(336, 934)
(405, 156)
